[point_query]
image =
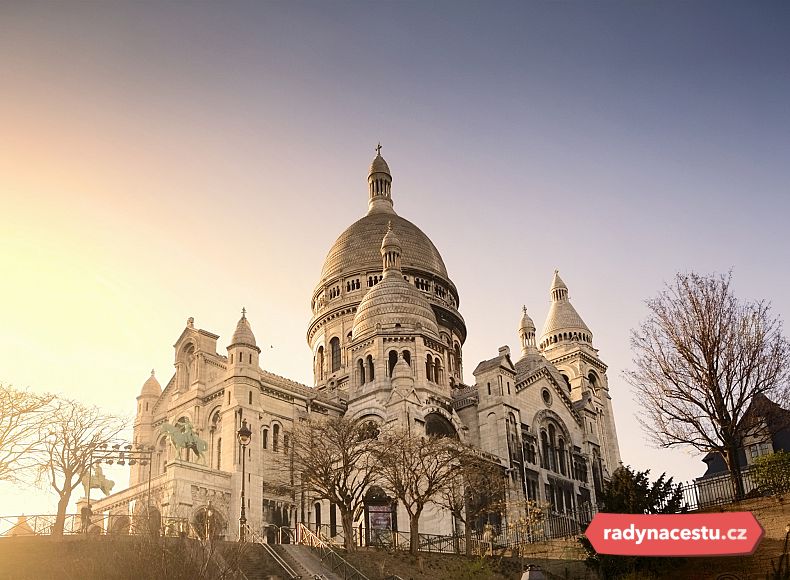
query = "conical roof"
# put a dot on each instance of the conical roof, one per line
(151, 387)
(562, 315)
(557, 282)
(243, 334)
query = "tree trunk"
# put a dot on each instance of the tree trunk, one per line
(60, 517)
(414, 534)
(346, 517)
(468, 535)
(736, 477)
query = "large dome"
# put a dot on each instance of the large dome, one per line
(357, 248)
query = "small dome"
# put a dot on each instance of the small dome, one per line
(526, 322)
(393, 303)
(390, 239)
(379, 166)
(243, 334)
(151, 387)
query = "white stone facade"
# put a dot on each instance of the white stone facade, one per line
(387, 341)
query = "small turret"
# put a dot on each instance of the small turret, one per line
(526, 333)
(243, 350)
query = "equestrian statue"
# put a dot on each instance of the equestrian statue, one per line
(183, 436)
(97, 481)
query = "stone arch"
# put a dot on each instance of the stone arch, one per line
(213, 526)
(377, 413)
(438, 426)
(545, 415)
(594, 380)
(452, 419)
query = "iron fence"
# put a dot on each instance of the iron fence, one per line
(718, 490)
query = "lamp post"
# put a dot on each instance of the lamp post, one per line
(244, 434)
(122, 454)
(209, 517)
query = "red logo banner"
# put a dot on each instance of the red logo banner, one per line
(709, 534)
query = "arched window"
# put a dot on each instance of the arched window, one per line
(457, 362)
(265, 438)
(334, 347)
(371, 376)
(320, 363)
(393, 358)
(553, 447)
(361, 371)
(437, 371)
(593, 380)
(544, 450)
(561, 454)
(276, 438)
(219, 453)
(317, 517)
(429, 367)
(567, 381)
(407, 356)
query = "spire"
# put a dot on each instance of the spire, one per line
(379, 185)
(391, 252)
(559, 291)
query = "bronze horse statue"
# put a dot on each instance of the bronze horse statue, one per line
(183, 436)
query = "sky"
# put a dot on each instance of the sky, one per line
(161, 160)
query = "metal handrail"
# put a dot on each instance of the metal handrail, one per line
(258, 539)
(97, 524)
(337, 564)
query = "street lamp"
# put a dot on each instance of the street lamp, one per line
(209, 517)
(244, 434)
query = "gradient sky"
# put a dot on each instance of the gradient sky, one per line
(166, 160)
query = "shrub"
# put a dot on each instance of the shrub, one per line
(772, 472)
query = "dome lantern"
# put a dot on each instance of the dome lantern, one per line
(379, 185)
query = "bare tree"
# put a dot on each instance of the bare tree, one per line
(20, 418)
(700, 359)
(416, 470)
(333, 458)
(475, 490)
(70, 434)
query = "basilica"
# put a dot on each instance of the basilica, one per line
(387, 338)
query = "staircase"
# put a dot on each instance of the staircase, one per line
(304, 562)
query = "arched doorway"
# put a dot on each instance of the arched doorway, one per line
(381, 517)
(208, 522)
(438, 426)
